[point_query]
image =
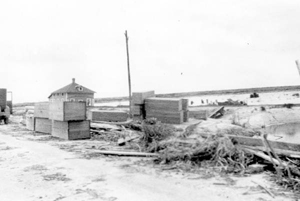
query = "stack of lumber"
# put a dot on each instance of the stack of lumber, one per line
(108, 115)
(166, 110)
(69, 120)
(138, 103)
(42, 123)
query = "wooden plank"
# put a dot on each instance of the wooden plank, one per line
(216, 111)
(109, 115)
(139, 97)
(71, 130)
(41, 110)
(251, 141)
(43, 125)
(292, 154)
(166, 104)
(67, 111)
(126, 153)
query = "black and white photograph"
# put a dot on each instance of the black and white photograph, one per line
(139, 100)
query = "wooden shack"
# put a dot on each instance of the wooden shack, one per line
(73, 92)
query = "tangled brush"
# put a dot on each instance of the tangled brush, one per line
(154, 132)
(218, 150)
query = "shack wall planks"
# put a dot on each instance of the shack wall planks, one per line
(41, 110)
(71, 130)
(67, 111)
(43, 125)
(139, 97)
(165, 104)
(108, 115)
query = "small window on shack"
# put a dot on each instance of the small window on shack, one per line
(72, 100)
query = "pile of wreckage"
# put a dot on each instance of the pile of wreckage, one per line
(161, 128)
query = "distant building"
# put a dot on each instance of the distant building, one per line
(73, 92)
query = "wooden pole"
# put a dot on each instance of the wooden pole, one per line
(298, 65)
(129, 80)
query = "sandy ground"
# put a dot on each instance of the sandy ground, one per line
(38, 167)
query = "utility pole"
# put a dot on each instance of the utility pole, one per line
(298, 65)
(129, 80)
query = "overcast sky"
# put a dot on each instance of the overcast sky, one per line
(175, 46)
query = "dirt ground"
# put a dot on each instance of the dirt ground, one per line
(39, 167)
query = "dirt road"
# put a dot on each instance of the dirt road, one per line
(35, 169)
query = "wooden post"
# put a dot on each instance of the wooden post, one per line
(129, 80)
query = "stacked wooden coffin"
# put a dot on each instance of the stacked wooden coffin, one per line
(69, 120)
(199, 114)
(40, 121)
(108, 115)
(167, 110)
(185, 108)
(138, 103)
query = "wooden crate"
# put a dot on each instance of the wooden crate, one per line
(165, 104)
(198, 114)
(108, 115)
(138, 110)
(30, 122)
(41, 110)
(185, 104)
(186, 115)
(71, 130)
(67, 111)
(139, 97)
(166, 116)
(43, 125)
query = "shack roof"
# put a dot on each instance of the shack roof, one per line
(73, 88)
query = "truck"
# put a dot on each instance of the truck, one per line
(5, 110)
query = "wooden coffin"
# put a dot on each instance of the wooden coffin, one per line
(165, 116)
(41, 110)
(186, 115)
(185, 104)
(198, 114)
(30, 122)
(71, 130)
(67, 111)
(166, 104)
(138, 110)
(108, 115)
(43, 125)
(139, 97)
